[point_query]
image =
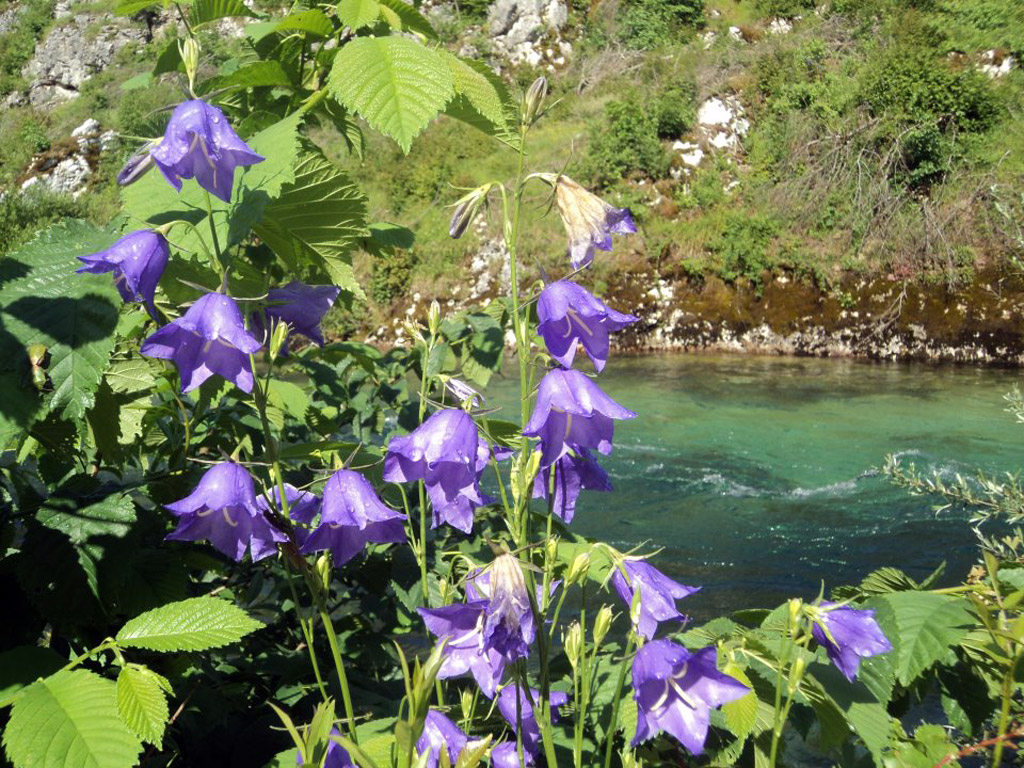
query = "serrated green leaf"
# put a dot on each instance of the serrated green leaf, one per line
(22, 666)
(205, 11)
(142, 702)
(358, 13)
(388, 235)
(316, 222)
(396, 84)
(131, 7)
(313, 21)
(153, 200)
(481, 97)
(923, 628)
(740, 714)
(69, 720)
(43, 301)
(196, 624)
(290, 398)
(405, 18)
(255, 75)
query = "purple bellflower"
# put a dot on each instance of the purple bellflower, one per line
(462, 392)
(572, 413)
(351, 516)
(462, 626)
(509, 627)
(209, 338)
(223, 509)
(440, 733)
(589, 221)
(658, 594)
(137, 261)
(675, 691)
(569, 314)
(851, 635)
(531, 731)
(445, 452)
(303, 506)
(506, 755)
(301, 306)
(573, 473)
(199, 143)
(337, 755)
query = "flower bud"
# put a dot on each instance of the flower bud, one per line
(795, 607)
(466, 209)
(189, 51)
(602, 624)
(278, 337)
(534, 99)
(574, 644)
(434, 318)
(323, 569)
(136, 167)
(446, 590)
(578, 569)
(466, 702)
(629, 759)
(796, 673)
(551, 549)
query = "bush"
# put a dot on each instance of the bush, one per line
(742, 248)
(786, 9)
(627, 143)
(17, 45)
(649, 24)
(22, 215)
(390, 275)
(675, 112)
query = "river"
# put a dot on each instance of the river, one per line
(755, 475)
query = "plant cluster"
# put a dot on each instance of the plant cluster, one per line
(391, 578)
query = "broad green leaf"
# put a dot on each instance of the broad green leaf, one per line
(196, 624)
(254, 75)
(396, 84)
(316, 222)
(314, 21)
(402, 16)
(866, 716)
(22, 666)
(290, 398)
(138, 82)
(923, 628)
(385, 234)
(81, 518)
(205, 11)
(43, 301)
(481, 98)
(740, 714)
(131, 7)
(69, 720)
(153, 200)
(142, 702)
(358, 13)
(169, 59)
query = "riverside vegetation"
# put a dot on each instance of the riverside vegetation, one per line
(224, 546)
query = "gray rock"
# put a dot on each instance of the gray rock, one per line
(515, 24)
(9, 16)
(73, 52)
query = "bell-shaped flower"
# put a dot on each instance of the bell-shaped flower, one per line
(849, 635)
(444, 452)
(572, 413)
(675, 691)
(531, 731)
(569, 475)
(506, 755)
(589, 221)
(462, 627)
(301, 306)
(440, 733)
(462, 392)
(351, 515)
(658, 594)
(209, 338)
(337, 756)
(137, 261)
(509, 628)
(223, 510)
(568, 314)
(199, 143)
(303, 506)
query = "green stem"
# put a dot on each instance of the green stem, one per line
(613, 726)
(339, 668)
(307, 634)
(1004, 711)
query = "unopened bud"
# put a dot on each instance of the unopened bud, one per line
(434, 318)
(551, 549)
(574, 644)
(189, 51)
(533, 101)
(602, 624)
(278, 338)
(629, 759)
(466, 209)
(323, 569)
(136, 167)
(795, 607)
(578, 569)
(467, 704)
(796, 673)
(446, 590)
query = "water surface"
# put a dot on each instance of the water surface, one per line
(755, 474)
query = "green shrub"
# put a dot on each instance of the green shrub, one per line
(17, 45)
(675, 111)
(21, 216)
(742, 249)
(390, 275)
(626, 143)
(649, 24)
(786, 9)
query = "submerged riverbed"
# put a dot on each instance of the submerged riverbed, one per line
(755, 475)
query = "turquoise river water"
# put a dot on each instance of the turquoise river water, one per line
(754, 475)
